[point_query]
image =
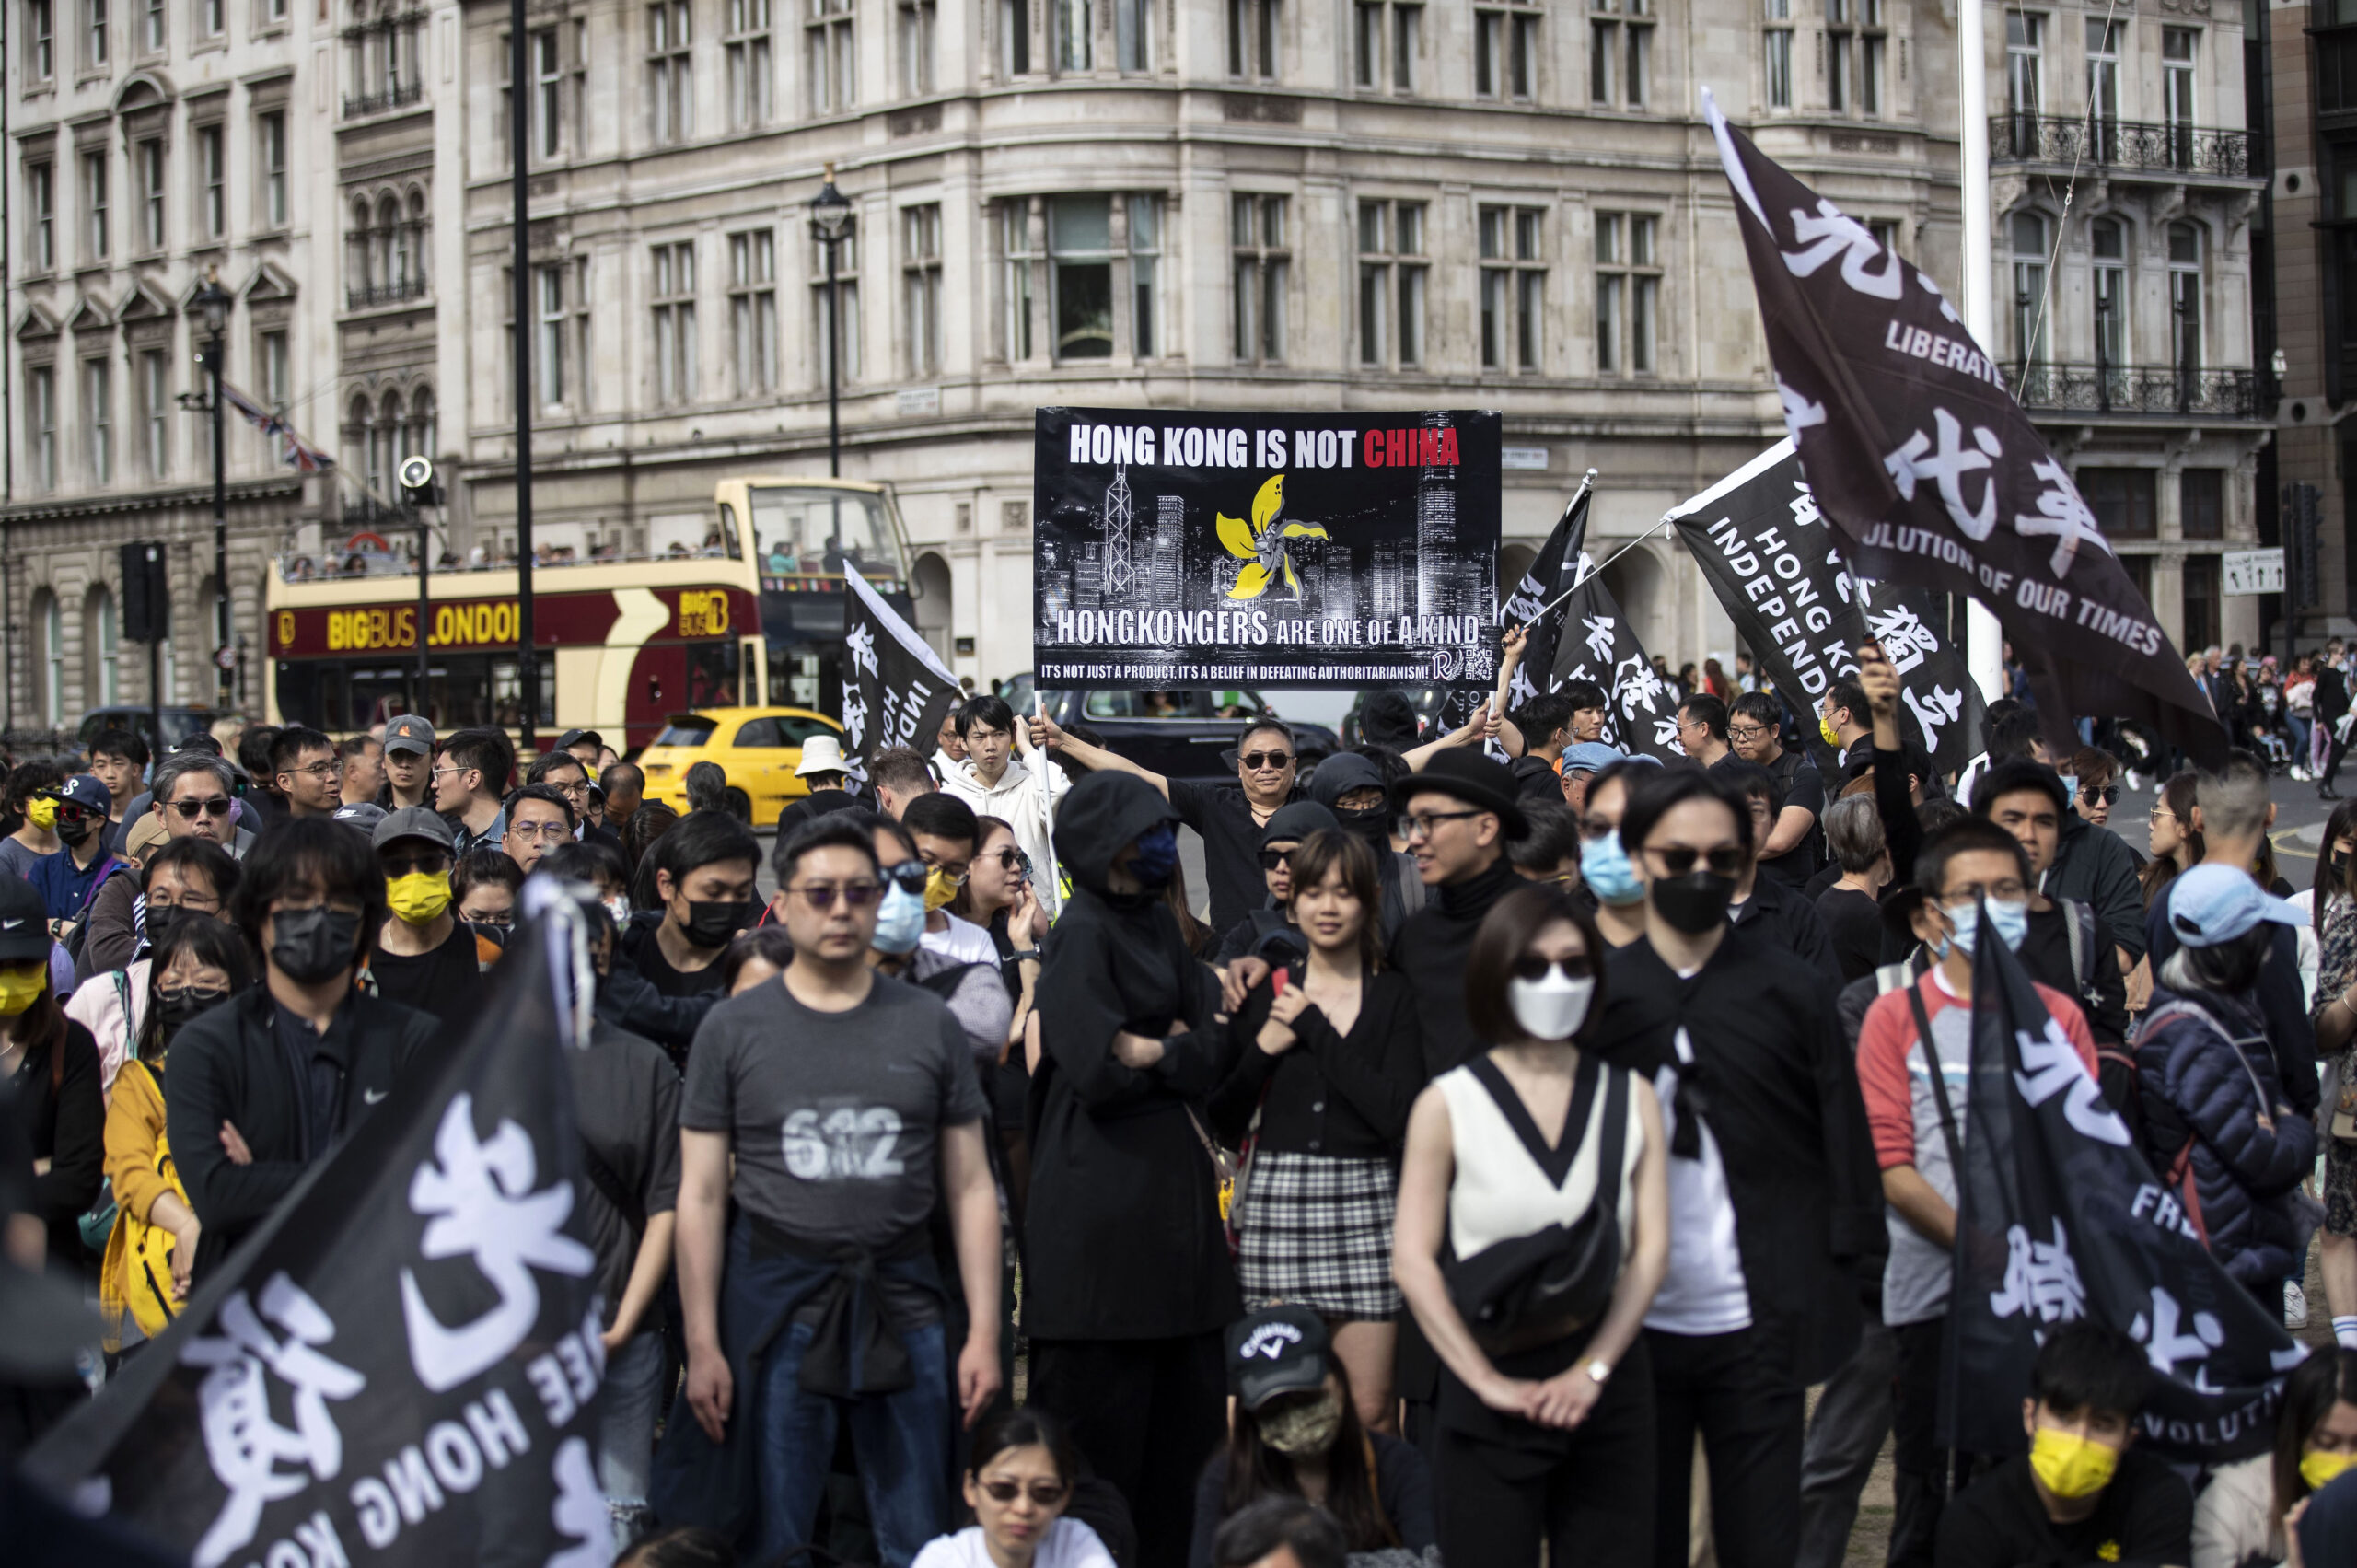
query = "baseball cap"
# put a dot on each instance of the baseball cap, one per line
(572, 737)
(2210, 904)
(24, 921)
(85, 790)
(362, 814)
(412, 822)
(1590, 757)
(410, 732)
(1279, 1349)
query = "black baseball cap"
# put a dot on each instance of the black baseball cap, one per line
(24, 922)
(1279, 1349)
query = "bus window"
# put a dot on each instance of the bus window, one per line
(711, 674)
(816, 532)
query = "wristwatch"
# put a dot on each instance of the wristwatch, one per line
(1598, 1372)
(1021, 953)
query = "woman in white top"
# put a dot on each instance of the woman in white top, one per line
(2244, 1515)
(1018, 1484)
(1545, 1420)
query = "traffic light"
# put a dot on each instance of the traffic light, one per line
(146, 597)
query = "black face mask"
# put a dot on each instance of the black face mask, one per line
(176, 1004)
(73, 833)
(162, 923)
(711, 922)
(1695, 902)
(314, 945)
(2340, 860)
(1372, 823)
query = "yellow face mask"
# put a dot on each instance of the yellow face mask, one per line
(41, 812)
(419, 897)
(2070, 1465)
(939, 889)
(20, 986)
(2321, 1470)
(1825, 728)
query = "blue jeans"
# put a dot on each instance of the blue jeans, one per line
(632, 1392)
(900, 1441)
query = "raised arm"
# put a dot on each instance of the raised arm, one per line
(1047, 735)
(1902, 830)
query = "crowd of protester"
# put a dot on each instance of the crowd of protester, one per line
(1488, 1179)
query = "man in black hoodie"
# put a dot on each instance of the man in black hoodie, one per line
(1458, 815)
(1352, 787)
(1127, 1283)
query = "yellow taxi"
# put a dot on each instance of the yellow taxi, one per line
(758, 749)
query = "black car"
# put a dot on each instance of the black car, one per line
(179, 723)
(1181, 734)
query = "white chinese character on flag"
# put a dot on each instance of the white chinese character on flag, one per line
(1599, 636)
(2041, 1278)
(860, 641)
(1940, 707)
(1905, 640)
(2062, 516)
(2165, 1347)
(1830, 232)
(1916, 459)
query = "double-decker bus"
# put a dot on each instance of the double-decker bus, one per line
(752, 614)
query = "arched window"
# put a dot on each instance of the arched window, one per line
(102, 686)
(2185, 297)
(931, 582)
(363, 435)
(385, 453)
(49, 623)
(357, 246)
(2029, 236)
(419, 442)
(387, 230)
(414, 222)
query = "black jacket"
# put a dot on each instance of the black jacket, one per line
(57, 1102)
(2095, 867)
(1431, 949)
(1122, 1228)
(1780, 1094)
(227, 1065)
(1344, 1096)
(1781, 913)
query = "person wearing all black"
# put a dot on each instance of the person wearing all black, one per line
(2330, 702)
(1767, 904)
(1283, 834)
(1352, 787)
(1755, 731)
(1774, 1185)
(291, 1067)
(50, 1064)
(1850, 910)
(704, 879)
(1127, 1282)
(1461, 810)
(424, 957)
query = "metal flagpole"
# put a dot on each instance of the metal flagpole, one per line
(1984, 642)
(1598, 566)
(1046, 797)
(1498, 698)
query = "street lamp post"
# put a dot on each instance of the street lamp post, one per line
(831, 220)
(212, 302)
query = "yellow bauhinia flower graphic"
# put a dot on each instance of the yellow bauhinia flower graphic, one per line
(1261, 543)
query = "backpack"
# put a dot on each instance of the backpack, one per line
(2115, 1064)
(2178, 1180)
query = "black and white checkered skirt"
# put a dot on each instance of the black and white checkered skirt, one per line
(1316, 1232)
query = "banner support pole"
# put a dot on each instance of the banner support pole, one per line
(1983, 639)
(1599, 566)
(1048, 798)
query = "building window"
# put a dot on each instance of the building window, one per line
(270, 132)
(547, 94)
(832, 48)
(40, 38)
(98, 420)
(212, 179)
(2201, 502)
(1014, 37)
(674, 322)
(2177, 81)
(1776, 44)
(751, 78)
(211, 17)
(920, 287)
(1392, 274)
(846, 297)
(2201, 601)
(151, 194)
(1841, 44)
(1253, 40)
(1628, 293)
(1145, 250)
(94, 33)
(1381, 28)
(277, 382)
(103, 640)
(2185, 297)
(1080, 265)
(41, 426)
(1615, 78)
(2107, 238)
(1263, 265)
(2030, 232)
(1505, 53)
(548, 351)
(1134, 34)
(40, 206)
(151, 26)
(2025, 71)
(155, 414)
(916, 47)
(52, 636)
(2122, 500)
(1075, 35)
(2103, 39)
(670, 85)
(752, 310)
(1022, 262)
(95, 239)
(1514, 288)
(1874, 44)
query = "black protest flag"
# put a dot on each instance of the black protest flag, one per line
(1778, 571)
(896, 691)
(1597, 644)
(1534, 602)
(1932, 471)
(2058, 1218)
(399, 1366)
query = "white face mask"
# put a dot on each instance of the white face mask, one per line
(1553, 1007)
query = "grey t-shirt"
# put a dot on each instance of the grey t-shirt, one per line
(627, 1095)
(835, 1118)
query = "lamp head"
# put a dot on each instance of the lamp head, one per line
(830, 210)
(213, 300)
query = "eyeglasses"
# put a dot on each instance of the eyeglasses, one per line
(1746, 735)
(198, 903)
(437, 772)
(2158, 812)
(1677, 860)
(317, 769)
(1420, 824)
(1259, 762)
(69, 812)
(535, 833)
(2107, 794)
(1276, 860)
(1531, 966)
(578, 787)
(211, 806)
(496, 922)
(957, 874)
(1044, 1494)
(908, 876)
(428, 862)
(855, 895)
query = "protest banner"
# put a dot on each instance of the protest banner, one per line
(399, 1366)
(1218, 549)
(896, 689)
(1932, 472)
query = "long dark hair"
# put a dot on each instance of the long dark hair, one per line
(2177, 796)
(1505, 933)
(1256, 1471)
(2326, 1378)
(962, 906)
(1200, 939)
(41, 1026)
(1330, 849)
(212, 943)
(2330, 883)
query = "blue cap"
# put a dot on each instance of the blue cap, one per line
(2210, 904)
(85, 790)
(1590, 757)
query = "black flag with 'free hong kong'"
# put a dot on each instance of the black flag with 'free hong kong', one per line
(1931, 470)
(896, 691)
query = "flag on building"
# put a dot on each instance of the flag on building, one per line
(896, 689)
(293, 451)
(400, 1366)
(1932, 472)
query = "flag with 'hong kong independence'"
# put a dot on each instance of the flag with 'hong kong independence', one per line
(1931, 470)
(399, 1368)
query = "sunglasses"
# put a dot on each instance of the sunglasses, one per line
(1531, 966)
(403, 865)
(1011, 859)
(909, 876)
(1258, 760)
(1677, 860)
(820, 895)
(211, 806)
(2107, 794)
(69, 812)
(1044, 1494)
(1276, 859)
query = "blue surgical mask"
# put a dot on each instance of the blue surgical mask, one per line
(1157, 857)
(1604, 866)
(2011, 920)
(899, 920)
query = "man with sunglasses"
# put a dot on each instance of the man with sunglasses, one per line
(194, 801)
(836, 1111)
(1021, 793)
(309, 773)
(67, 880)
(1229, 821)
(1773, 1185)
(1278, 840)
(423, 957)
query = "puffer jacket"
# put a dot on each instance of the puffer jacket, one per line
(2208, 1079)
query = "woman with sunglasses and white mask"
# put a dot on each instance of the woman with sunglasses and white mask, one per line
(1329, 1060)
(1543, 1167)
(1018, 1484)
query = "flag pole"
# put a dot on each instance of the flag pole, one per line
(1983, 642)
(1599, 566)
(1047, 799)
(1587, 481)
